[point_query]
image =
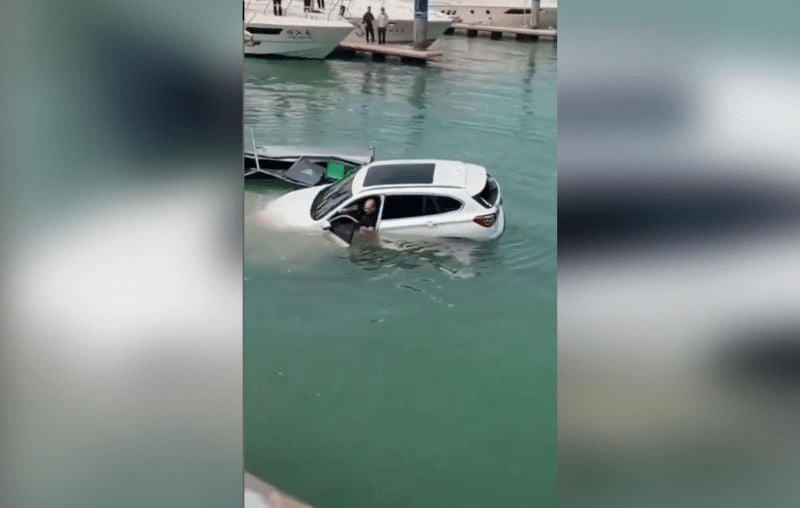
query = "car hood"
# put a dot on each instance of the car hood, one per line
(292, 210)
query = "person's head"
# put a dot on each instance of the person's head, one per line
(382, 10)
(369, 206)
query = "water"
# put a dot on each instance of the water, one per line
(423, 377)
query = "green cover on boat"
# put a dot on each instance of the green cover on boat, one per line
(338, 170)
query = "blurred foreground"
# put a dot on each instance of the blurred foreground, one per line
(121, 275)
(679, 280)
(121, 255)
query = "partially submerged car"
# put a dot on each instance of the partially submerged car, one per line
(304, 166)
(411, 198)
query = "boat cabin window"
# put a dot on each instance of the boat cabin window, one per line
(264, 30)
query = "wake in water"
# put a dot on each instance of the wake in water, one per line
(267, 245)
(456, 258)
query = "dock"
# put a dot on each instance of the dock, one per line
(405, 52)
(496, 32)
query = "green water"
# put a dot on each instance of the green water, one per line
(417, 378)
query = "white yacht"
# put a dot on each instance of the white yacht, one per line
(290, 35)
(400, 29)
(499, 13)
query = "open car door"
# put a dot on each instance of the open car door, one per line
(344, 226)
(343, 229)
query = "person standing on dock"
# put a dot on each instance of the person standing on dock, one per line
(276, 8)
(383, 20)
(368, 19)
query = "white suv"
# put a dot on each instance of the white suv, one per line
(414, 198)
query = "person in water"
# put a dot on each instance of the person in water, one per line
(368, 215)
(383, 20)
(368, 19)
(365, 233)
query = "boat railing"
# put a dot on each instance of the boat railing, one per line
(268, 6)
(334, 11)
(331, 11)
(255, 150)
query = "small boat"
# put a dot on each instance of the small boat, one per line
(304, 166)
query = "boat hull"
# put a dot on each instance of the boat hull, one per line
(296, 40)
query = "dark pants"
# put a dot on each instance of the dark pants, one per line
(276, 8)
(321, 4)
(382, 35)
(369, 32)
(306, 5)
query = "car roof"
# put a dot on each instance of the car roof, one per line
(420, 173)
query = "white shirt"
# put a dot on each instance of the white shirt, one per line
(383, 19)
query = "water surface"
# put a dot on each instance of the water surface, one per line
(423, 377)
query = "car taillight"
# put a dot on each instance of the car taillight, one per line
(486, 221)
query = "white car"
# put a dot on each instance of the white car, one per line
(416, 199)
